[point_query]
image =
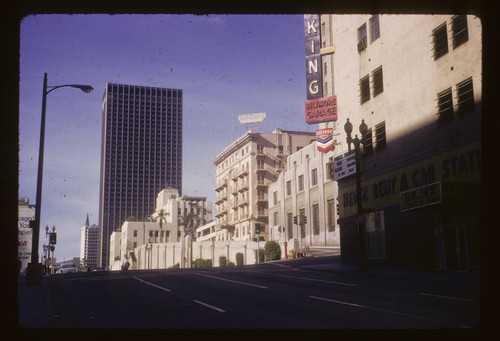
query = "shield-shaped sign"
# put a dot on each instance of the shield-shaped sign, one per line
(324, 139)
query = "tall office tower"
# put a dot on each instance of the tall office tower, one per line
(141, 153)
(89, 247)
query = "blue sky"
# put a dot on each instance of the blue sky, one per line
(227, 65)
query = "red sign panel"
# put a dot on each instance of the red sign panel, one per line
(321, 110)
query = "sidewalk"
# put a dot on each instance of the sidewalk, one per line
(461, 278)
(33, 302)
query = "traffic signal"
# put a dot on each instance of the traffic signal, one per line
(257, 228)
(338, 212)
(330, 169)
(305, 219)
(295, 220)
(53, 238)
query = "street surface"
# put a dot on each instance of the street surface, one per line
(285, 295)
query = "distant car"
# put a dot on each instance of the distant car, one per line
(67, 268)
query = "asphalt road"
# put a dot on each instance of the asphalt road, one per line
(283, 295)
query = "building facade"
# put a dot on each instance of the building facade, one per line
(305, 193)
(415, 81)
(244, 171)
(141, 153)
(89, 247)
(171, 210)
(181, 210)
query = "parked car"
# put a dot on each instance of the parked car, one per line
(67, 268)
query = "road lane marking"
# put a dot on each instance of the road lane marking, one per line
(209, 306)
(448, 297)
(379, 309)
(153, 285)
(317, 280)
(340, 302)
(278, 264)
(229, 280)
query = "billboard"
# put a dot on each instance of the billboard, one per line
(252, 118)
(25, 234)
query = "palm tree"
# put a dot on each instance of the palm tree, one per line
(160, 216)
(230, 229)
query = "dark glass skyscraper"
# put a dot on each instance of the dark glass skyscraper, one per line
(141, 153)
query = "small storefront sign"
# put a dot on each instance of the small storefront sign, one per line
(421, 196)
(344, 165)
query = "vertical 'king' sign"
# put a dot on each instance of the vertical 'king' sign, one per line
(313, 56)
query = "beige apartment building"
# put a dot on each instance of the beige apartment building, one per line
(244, 171)
(415, 81)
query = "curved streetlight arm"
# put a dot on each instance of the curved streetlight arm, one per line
(84, 88)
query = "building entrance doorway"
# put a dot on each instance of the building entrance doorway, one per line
(456, 246)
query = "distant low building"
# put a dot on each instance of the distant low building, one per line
(304, 189)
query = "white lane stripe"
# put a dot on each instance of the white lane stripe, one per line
(153, 285)
(229, 280)
(209, 306)
(448, 297)
(379, 309)
(278, 264)
(340, 302)
(317, 280)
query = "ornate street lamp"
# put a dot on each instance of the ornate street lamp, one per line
(34, 273)
(363, 264)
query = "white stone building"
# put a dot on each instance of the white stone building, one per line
(304, 189)
(133, 236)
(244, 170)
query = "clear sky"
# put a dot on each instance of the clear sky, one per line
(226, 65)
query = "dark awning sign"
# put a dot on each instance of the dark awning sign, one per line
(421, 196)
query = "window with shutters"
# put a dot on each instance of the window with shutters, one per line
(440, 36)
(364, 89)
(378, 82)
(465, 96)
(368, 142)
(459, 30)
(445, 106)
(362, 43)
(374, 28)
(380, 136)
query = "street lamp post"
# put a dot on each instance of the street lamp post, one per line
(363, 264)
(34, 272)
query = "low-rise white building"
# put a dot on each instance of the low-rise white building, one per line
(304, 189)
(126, 242)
